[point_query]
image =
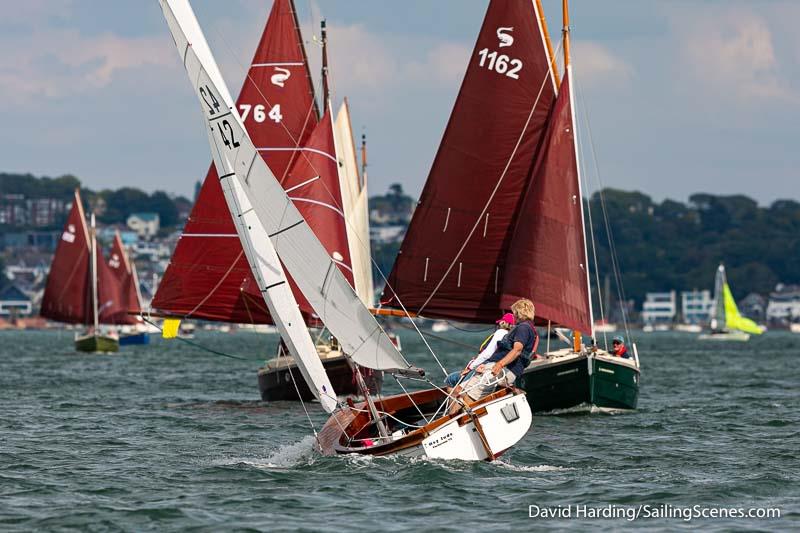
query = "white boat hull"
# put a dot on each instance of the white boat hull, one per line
(736, 336)
(505, 423)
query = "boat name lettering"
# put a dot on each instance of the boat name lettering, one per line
(500, 63)
(440, 440)
(259, 114)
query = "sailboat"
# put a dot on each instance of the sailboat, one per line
(132, 329)
(727, 324)
(501, 215)
(274, 236)
(313, 157)
(81, 289)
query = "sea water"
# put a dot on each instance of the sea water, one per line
(170, 437)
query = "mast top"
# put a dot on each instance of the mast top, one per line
(565, 31)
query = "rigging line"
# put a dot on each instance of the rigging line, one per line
(482, 330)
(584, 176)
(200, 346)
(443, 339)
(609, 234)
(213, 290)
(303, 403)
(492, 195)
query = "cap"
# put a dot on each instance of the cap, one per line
(619, 338)
(508, 317)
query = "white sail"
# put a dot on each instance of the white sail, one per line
(242, 169)
(354, 197)
(261, 255)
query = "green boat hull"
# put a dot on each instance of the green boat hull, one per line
(97, 343)
(571, 384)
(614, 386)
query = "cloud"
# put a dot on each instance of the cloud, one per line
(731, 51)
(53, 63)
(597, 64)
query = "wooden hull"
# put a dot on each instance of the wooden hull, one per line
(571, 380)
(496, 423)
(97, 344)
(132, 339)
(275, 384)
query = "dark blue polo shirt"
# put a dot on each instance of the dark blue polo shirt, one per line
(524, 333)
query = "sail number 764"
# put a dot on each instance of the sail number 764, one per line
(502, 64)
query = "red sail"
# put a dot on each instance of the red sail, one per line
(208, 276)
(111, 296)
(547, 256)
(477, 182)
(314, 187)
(67, 294)
(121, 267)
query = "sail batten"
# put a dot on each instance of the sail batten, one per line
(254, 192)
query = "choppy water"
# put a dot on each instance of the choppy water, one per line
(168, 437)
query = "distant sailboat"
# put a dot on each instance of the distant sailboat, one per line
(132, 330)
(81, 288)
(275, 235)
(314, 159)
(728, 324)
(501, 215)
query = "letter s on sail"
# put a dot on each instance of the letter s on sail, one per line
(281, 75)
(504, 34)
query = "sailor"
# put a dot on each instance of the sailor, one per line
(509, 360)
(619, 349)
(487, 349)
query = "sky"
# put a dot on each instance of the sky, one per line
(682, 96)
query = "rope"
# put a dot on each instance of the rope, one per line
(612, 248)
(443, 339)
(300, 397)
(200, 346)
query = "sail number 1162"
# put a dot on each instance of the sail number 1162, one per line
(500, 63)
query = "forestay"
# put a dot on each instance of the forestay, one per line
(226, 132)
(267, 210)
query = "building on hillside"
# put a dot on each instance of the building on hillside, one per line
(784, 305)
(16, 210)
(696, 306)
(659, 308)
(387, 234)
(146, 225)
(14, 303)
(41, 240)
(754, 306)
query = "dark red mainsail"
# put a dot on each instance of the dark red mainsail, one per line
(547, 254)
(208, 276)
(453, 261)
(120, 265)
(67, 294)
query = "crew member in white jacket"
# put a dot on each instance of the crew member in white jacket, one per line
(487, 349)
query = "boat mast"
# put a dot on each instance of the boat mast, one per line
(325, 89)
(363, 160)
(576, 336)
(93, 268)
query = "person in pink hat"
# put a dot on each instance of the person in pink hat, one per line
(487, 349)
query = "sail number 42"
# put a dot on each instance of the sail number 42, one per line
(259, 112)
(500, 63)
